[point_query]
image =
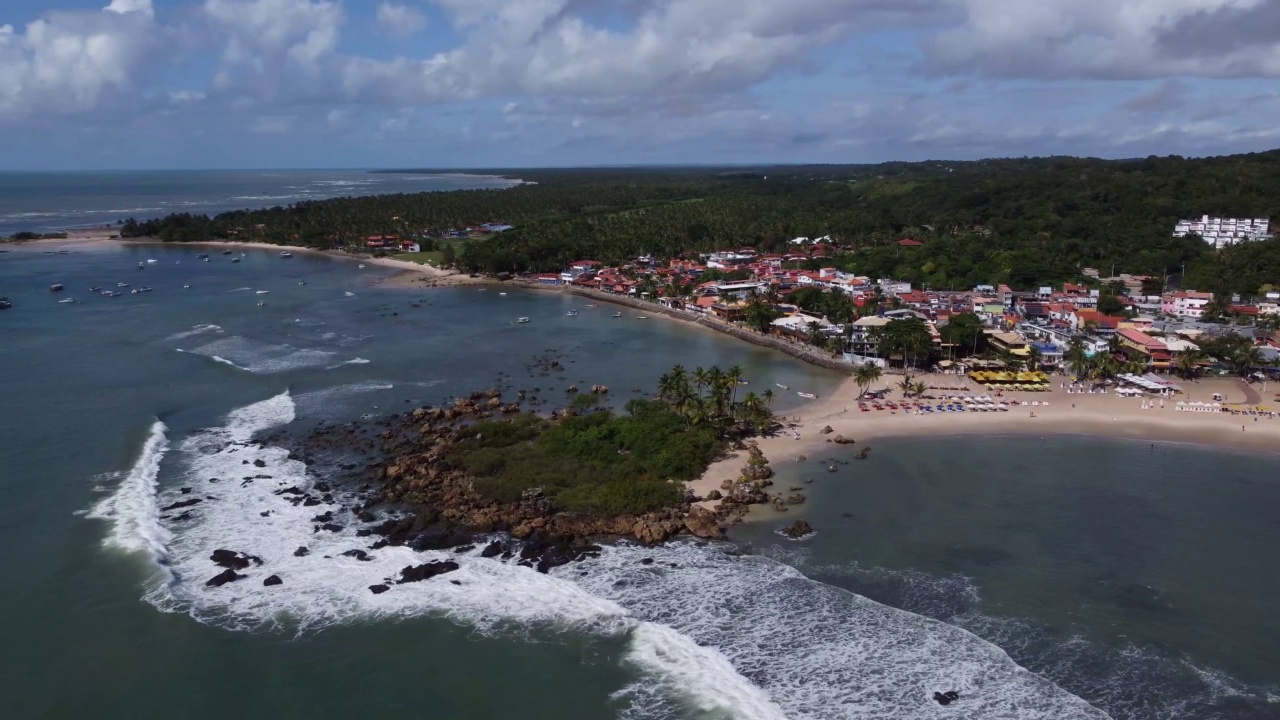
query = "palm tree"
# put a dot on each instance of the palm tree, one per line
(701, 378)
(865, 375)
(666, 386)
(734, 377)
(815, 334)
(835, 346)
(919, 389)
(906, 385)
(768, 396)
(1034, 358)
(1245, 359)
(1076, 358)
(1188, 363)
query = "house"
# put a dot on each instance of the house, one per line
(908, 242)
(1189, 305)
(1141, 346)
(586, 266)
(409, 246)
(862, 336)
(550, 279)
(1010, 342)
(739, 290)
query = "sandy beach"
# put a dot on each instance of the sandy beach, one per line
(1100, 415)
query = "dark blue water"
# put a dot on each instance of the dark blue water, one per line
(50, 202)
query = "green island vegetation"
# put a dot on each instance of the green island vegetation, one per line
(611, 464)
(25, 236)
(1024, 222)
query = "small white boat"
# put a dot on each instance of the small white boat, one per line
(522, 320)
(572, 313)
(55, 288)
(141, 266)
(186, 287)
(617, 314)
(226, 252)
(206, 259)
(287, 254)
(263, 292)
(503, 294)
(784, 387)
(152, 261)
(261, 303)
(807, 396)
(122, 284)
(361, 266)
(67, 300)
(642, 317)
(235, 259)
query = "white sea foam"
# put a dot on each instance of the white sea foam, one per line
(195, 330)
(131, 510)
(262, 358)
(348, 293)
(353, 361)
(242, 289)
(732, 637)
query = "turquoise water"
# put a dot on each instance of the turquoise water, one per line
(54, 201)
(114, 405)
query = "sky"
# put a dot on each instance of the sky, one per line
(141, 84)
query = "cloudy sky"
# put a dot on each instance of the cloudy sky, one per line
(466, 83)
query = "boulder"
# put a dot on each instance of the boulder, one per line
(795, 498)
(182, 504)
(301, 552)
(714, 495)
(701, 522)
(378, 589)
(600, 389)
(797, 529)
(233, 560)
(842, 440)
(826, 430)
(426, 571)
(223, 578)
(273, 580)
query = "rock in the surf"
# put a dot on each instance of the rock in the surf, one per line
(233, 560)
(223, 578)
(797, 529)
(273, 580)
(426, 571)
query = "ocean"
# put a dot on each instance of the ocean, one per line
(48, 202)
(966, 565)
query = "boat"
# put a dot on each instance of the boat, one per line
(287, 254)
(55, 288)
(261, 303)
(113, 293)
(302, 282)
(186, 287)
(206, 259)
(591, 305)
(503, 294)
(122, 284)
(784, 387)
(361, 266)
(67, 300)
(5, 304)
(152, 261)
(522, 320)
(202, 256)
(235, 260)
(807, 396)
(226, 252)
(95, 289)
(263, 292)
(617, 314)
(141, 265)
(572, 313)
(642, 317)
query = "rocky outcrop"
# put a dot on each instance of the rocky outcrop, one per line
(797, 529)
(842, 440)
(223, 578)
(702, 523)
(826, 430)
(273, 580)
(599, 389)
(418, 573)
(234, 560)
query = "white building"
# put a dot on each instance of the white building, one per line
(1221, 232)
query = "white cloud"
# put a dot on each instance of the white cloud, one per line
(400, 20)
(1111, 39)
(68, 62)
(267, 37)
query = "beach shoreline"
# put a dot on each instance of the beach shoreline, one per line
(1058, 413)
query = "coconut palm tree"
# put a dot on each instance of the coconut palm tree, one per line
(1076, 358)
(1034, 358)
(1245, 359)
(1188, 363)
(815, 334)
(919, 389)
(906, 385)
(701, 378)
(767, 395)
(865, 375)
(734, 378)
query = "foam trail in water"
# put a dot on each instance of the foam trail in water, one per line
(195, 330)
(261, 358)
(356, 361)
(132, 509)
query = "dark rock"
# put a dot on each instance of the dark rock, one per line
(185, 490)
(493, 549)
(378, 589)
(259, 463)
(646, 561)
(302, 552)
(358, 554)
(797, 529)
(702, 523)
(946, 698)
(426, 571)
(331, 527)
(181, 504)
(223, 578)
(233, 560)
(456, 582)
(265, 513)
(273, 580)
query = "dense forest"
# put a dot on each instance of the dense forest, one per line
(1019, 221)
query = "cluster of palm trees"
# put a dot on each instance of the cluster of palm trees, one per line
(710, 397)
(865, 375)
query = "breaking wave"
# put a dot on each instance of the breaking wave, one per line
(131, 510)
(726, 635)
(195, 330)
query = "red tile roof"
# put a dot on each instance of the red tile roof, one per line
(908, 242)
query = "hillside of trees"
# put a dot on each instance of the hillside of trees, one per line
(1023, 222)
